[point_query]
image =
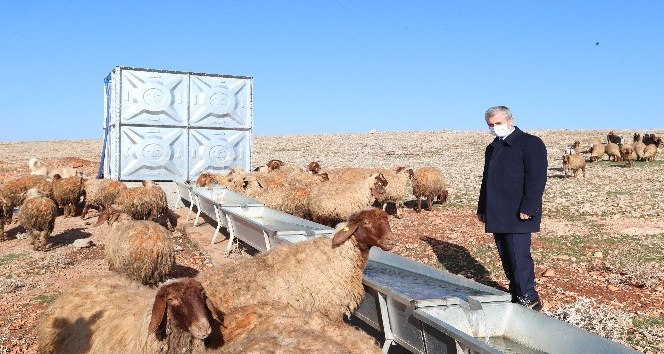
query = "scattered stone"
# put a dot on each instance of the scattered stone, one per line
(83, 243)
(612, 288)
(549, 273)
(598, 254)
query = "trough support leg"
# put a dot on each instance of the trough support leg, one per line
(198, 210)
(387, 327)
(191, 204)
(231, 234)
(177, 197)
(218, 215)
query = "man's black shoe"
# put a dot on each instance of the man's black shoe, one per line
(533, 305)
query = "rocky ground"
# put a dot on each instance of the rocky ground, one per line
(599, 257)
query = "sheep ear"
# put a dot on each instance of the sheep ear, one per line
(213, 310)
(343, 234)
(158, 311)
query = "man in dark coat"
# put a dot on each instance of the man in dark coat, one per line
(510, 202)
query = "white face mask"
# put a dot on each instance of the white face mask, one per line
(500, 131)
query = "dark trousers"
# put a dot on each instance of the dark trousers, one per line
(514, 251)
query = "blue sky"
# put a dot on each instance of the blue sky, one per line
(343, 66)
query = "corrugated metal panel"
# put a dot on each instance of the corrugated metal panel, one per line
(174, 125)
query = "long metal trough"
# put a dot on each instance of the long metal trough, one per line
(421, 308)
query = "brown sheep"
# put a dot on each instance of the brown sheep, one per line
(639, 146)
(313, 167)
(429, 183)
(597, 151)
(37, 216)
(5, 213)
(613, 150)
(67, 193)
(628, 154)
(651, 150)
(573, 163)
(14, 190)
(116, 315)
(142, 203)
(100, 193)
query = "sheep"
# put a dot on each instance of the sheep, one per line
(597, 151)
(313, 167)
(278, 328)
(141, 203)
(320, 275)
(613, 138)
(428, 182)
(639, 146)
(142, 250)
(14, 190)
(613, 150)
(397, 188)
(37, 168)
(5, 213)
(332, 202)
(100, 193)
(291, 199)
(628, 154)
(37, 215)
(113, 314)
(651, 150)
(649, 138)
(573, 163)
(232, 180)
(67, 192)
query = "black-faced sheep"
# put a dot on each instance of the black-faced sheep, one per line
(429, 183)
(279, 328)
(320, 275)
(116, 315)
(142, 250)
(100, 193)
(37, 215)
(574, 163)
(613, 138)
(67, 193)
(332, 202)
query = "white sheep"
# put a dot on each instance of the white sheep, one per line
(37, 215)
(142, 250)
(116, 315)
(429, 183)
(332, 202)
(279, 328)
(321, 275)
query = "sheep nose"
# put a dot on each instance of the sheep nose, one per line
(387, 242)
(201, 329)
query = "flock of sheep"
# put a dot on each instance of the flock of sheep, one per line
(257, 304)
(642, 148)
(331, 196)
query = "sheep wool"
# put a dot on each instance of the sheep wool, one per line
(37, 216)
(573, 164)
(100, 193)
(429, 183)
(141, 250)
(67, 192)
(321, 275)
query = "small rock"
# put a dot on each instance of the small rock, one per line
(373, 131)
(83, 243)
(612, 288)
(178, 248)
(549, 273)
(598, 254)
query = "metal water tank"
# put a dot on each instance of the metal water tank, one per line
(174, 125)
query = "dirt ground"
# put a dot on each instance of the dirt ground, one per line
(599, 256)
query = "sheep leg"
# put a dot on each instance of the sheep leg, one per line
(85, 211)
(429, 203)
(397, 206)
(419, 205)
(31, 237)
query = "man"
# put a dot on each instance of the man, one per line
(510, 202)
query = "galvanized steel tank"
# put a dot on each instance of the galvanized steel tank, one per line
(174, 125)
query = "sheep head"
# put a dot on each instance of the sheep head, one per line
(313, 167)
(204, 179)
(274, 164)
(185, 304)
(148, 183)
(370, 228)
(111, 215)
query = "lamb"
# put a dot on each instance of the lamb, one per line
(37, 168)
(100, 193)
(597, 151)
(142, 250)
(320, 275)
(37, 216)
(573, 163)
(613, 150)
(67, 192)
(270, 328)
(397, 188)
(332, 202)
(116, 315)
(428, 182)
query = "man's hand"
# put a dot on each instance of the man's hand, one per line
(523, 216)
(481, 218)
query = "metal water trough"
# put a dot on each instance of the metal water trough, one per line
(421, 308)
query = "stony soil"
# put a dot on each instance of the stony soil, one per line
(599, 257)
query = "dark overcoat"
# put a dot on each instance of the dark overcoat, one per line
(513, 182)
